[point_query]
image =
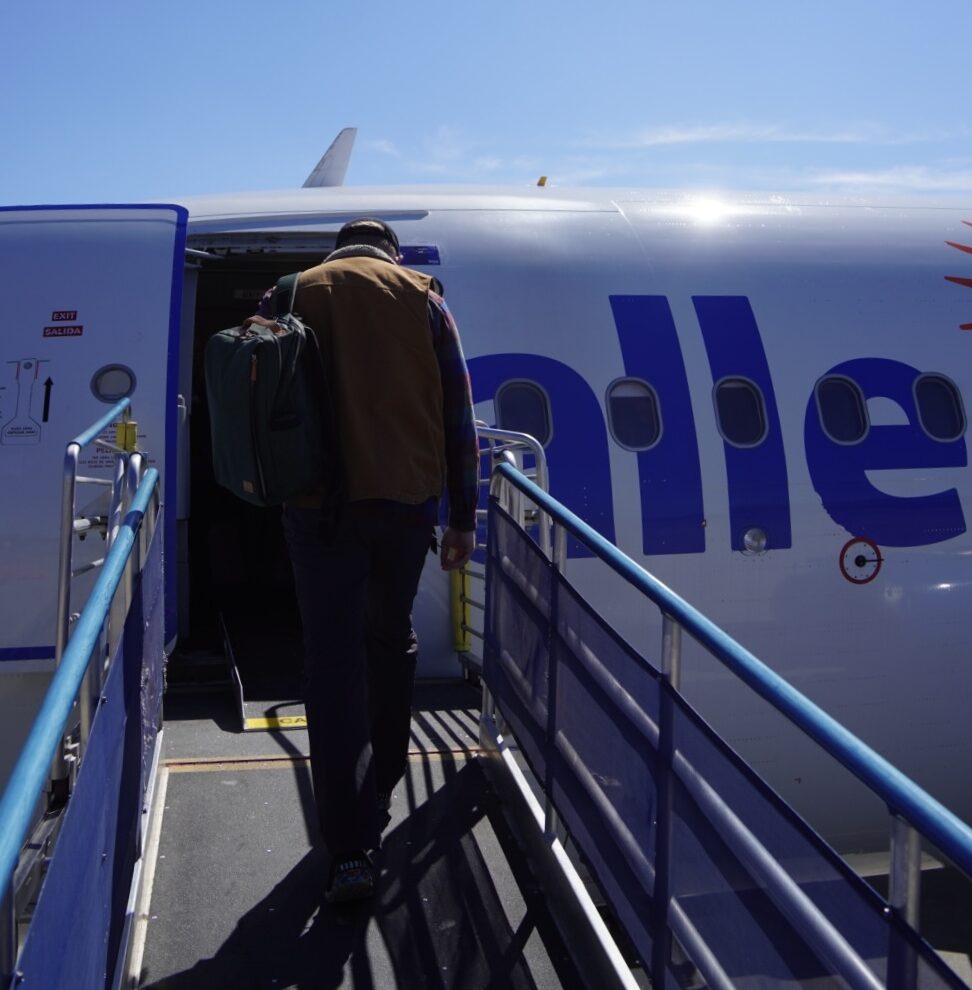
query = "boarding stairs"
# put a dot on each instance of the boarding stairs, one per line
(90, 715)
(654, 855)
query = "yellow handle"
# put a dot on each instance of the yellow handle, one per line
(458, 591)
(126, 436)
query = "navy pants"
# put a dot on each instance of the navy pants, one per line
(355, 594)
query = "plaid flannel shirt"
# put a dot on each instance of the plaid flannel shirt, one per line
(462, 445)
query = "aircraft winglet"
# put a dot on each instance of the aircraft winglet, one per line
(330, 170)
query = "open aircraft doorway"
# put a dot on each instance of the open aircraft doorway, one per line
(242, 603)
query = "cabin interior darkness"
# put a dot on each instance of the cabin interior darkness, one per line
(239, 574)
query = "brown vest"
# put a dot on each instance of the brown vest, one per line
(372, 317)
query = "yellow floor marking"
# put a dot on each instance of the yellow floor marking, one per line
(276, 722)
(216, 764)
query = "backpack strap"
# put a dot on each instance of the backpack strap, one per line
(284, 293)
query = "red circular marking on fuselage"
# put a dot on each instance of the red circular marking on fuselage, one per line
(878, 559)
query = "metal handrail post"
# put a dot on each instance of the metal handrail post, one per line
(135, 467)
(545, 521)
(68, 494)
(128, 485)
(904, 896)
(86, 706)
(671, 671)
(551, 819)
(904, 892)
(58, 776)
(514, 497)
(116, 507)
(559, 547)
(488, 712)
(115, 622)
(672, 652)
(134, 476)
(496, 487)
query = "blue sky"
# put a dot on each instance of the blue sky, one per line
(103, 100)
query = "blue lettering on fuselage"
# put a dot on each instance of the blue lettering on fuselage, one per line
(669, 473)
(756, 476)
(839, 470)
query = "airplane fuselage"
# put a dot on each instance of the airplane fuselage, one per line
(761, 400)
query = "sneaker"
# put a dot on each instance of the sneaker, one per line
(352, 878)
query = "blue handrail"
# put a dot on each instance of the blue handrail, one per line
(903, 796)
(33, 765)
(112, 416)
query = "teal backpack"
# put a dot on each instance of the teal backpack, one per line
(270, 410)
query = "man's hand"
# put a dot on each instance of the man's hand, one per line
(262, 321)
(456, 548)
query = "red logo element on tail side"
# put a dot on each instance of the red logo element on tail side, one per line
(957, 279)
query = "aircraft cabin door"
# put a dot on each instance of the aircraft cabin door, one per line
(92, 298)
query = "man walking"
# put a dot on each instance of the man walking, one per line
(406, 432)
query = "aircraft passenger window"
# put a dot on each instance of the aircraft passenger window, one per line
(740, 412)
(842, 411)
(939, 407)
(524, 408)
(113, 382)
(633, 414)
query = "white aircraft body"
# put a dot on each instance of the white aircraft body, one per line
(761, 399)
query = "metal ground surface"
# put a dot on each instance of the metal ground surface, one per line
(236, 896)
